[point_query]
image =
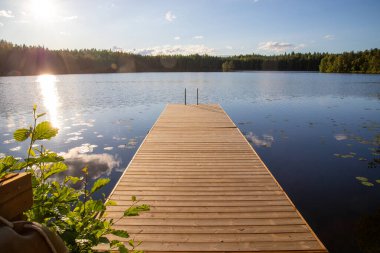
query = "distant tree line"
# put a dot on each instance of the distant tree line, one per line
(34, 60)
(284, 62)
(367, 61)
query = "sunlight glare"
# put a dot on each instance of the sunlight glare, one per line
(42, 9)
(50, 97)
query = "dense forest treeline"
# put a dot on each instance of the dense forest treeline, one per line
(349, 62)
(32, 60)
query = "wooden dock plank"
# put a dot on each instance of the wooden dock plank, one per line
(208, 190)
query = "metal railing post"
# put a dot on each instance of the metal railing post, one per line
(185, 96)
(197, 96)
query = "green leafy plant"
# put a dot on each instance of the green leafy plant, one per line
(71, 212)
(9, 164)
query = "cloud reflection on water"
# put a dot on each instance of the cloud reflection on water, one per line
(98, 164)
(340, 137)
(15, 148)
(75, 138)
(266, 140)
(9, 141)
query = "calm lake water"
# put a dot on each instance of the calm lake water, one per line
(316, 132)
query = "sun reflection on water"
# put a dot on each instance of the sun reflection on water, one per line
(48, 87)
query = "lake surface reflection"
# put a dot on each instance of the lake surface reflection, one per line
(316, 132)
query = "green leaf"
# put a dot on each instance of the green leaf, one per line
(40, 115)
(135, 210)
(95, 205)
(99, 184)
(51, 158)
(72, 179)
(7, 164)
(111, 203)
(133, 198)
(104, 240)
(44, 130)
(114, 243)
(8, 161)
(362, 179)
(18, 166)
(56, 168)
(131, 243)
(123, 249)
(120, 233)
(85, 170)
(31, 152)
(21, 134)
(367, 184)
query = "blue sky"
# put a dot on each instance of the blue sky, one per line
(223, 27)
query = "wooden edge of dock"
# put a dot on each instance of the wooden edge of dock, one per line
(278, 184)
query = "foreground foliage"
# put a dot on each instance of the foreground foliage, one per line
(66, 207)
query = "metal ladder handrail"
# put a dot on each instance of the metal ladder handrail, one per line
(197, 97)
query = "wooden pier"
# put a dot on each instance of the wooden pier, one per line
(208, 190)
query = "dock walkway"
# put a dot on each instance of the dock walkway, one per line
(208, 190)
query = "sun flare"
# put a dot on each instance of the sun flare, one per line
(42, 9)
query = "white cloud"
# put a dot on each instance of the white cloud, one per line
(22, 21)
(175, 50)
(198, 37)
(329, 37)
(277, 47)
(169, 16)
(6, 14)
(1, 24)
(229, 47)
(70, 18)
(64, 33)
(177, 38)
(299, 46)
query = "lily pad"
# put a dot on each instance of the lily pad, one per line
(367, 184)
(350, 155)
(347, 156)
(362, 179)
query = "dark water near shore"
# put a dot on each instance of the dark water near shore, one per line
(316, 132)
